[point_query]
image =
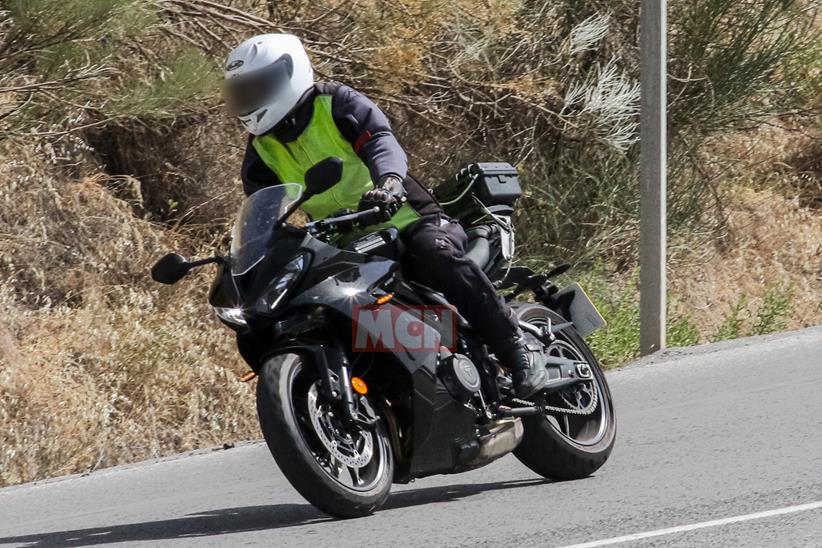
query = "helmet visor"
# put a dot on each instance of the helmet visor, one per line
(253, 90)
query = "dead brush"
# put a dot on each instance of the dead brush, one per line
(64, 238)
(96, 385)
(775, 242)
(98, 365)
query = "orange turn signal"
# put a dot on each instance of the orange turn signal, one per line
(385, 298)
(359, 386)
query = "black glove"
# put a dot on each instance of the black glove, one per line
(388, 197)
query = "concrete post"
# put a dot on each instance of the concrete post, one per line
(653, 164)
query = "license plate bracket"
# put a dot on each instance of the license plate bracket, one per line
(584, 314)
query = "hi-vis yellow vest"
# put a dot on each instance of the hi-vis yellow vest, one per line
(319, 140)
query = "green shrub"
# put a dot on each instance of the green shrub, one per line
(72, 64)
(774, 311)
(181, 87)
(682, 332)
(771, 316)
(733, 323)
(618, 302)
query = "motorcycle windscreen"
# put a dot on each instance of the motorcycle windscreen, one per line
(255, 222)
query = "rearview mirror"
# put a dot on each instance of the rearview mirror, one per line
(323, 175)
(170, 269)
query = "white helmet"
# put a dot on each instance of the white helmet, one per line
(265, 77)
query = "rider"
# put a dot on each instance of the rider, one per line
(295, 123)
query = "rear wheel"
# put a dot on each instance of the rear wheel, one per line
(564, 446)
(342, 470)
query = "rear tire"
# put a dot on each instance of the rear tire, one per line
(544, 448)
(295, 445)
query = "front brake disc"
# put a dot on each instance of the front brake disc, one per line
(353, 450)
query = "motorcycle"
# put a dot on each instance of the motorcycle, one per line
(343, 421)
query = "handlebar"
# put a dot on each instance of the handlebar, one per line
(347, 218)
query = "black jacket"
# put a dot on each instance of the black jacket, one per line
(363, 124)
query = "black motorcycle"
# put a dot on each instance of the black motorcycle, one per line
(344, 423)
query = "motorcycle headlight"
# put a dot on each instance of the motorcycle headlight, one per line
(233, 316)
(278, 289)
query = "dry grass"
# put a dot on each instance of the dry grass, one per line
(97, 365)
(772, 241)
(762, 276)
(89, 387)
(767, 188)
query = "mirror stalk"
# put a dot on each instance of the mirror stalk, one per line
(200, 262)
(173, 267)
(320, 177)
(290, 211)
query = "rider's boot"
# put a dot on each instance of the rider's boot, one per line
(529, 376)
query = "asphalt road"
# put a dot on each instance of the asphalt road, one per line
(718, 446)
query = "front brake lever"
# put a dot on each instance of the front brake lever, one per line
(365, 213)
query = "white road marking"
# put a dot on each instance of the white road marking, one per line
(704, 525)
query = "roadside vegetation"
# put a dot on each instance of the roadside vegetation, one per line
(114, 148)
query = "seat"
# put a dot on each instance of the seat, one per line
(478, 248)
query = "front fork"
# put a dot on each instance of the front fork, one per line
(328, 356)
(335, 383)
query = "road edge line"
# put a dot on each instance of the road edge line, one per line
(702, 525)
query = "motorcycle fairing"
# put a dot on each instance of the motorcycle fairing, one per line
(442, 424)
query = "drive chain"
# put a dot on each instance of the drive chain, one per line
(587, 410)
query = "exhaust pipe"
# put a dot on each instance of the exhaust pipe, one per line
(504, 435)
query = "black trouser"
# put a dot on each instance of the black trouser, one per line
(436, 258)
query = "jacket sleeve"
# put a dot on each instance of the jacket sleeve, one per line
(366, 127)
(255, 173)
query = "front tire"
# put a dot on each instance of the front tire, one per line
(288, 404)
(554, 447)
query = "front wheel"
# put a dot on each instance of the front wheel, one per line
(573, 445)
(344, 471)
